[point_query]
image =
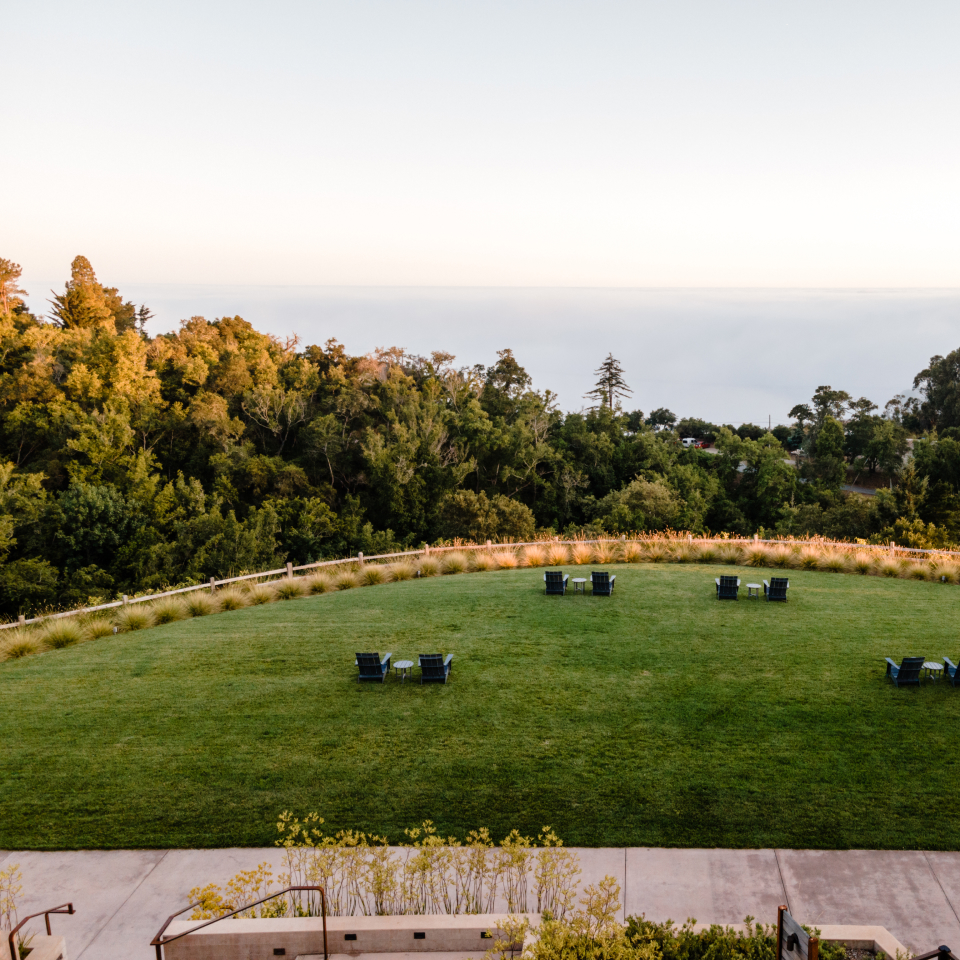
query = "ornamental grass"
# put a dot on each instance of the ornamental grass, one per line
(833, 561)
(133, 618)
(888, 568)
(582, 553)
(428, 567)
(506, 560)
(604, 552)
(862, 563)
(632, 552)
(656, 552)
(402, 570)
(22, 644)
(61, 633)
(809, 558)
(319, 583)
(558, 554)
(201, 604)
(169, 610)
(456, 562)
(233, 599)
(346, 579)
(260, 593)
(483, 561)
(373, 574)
(757, 557)
(535, 556)
(96, 628)
(290, 588)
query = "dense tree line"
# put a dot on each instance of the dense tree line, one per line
(131, 462)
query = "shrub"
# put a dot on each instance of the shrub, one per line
(684, 553)
(809, 558)
(168, 610)
(917, 571)
(402, 570)
(232, 599)
(506, 560)
(632, 552)
(96, 628)
(582, 553)
(455, 562)
(133, 618)
(535, 556)
(346, 580)
(862, 562)
(200, 604)
(21, 644)
(428, 566)
(708, 553)
(482, 562)
(558, 554)
(319, 583)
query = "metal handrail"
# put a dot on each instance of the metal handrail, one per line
(159, 940)
(63, 908)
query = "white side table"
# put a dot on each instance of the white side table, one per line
(934, 669)
(579, 585)
(753, 590)
(403, 668)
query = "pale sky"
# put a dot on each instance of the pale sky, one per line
(633, 144)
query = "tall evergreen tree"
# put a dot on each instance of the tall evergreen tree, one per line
(610, 385)
(10, 292)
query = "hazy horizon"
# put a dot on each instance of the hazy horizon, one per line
(725, 355)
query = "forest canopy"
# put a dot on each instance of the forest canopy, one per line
(131, 462)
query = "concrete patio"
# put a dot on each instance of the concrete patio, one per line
(122, 897)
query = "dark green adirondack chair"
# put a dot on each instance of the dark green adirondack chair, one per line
(373, 667)
(434, 668)
(727, 588)
(907, 674)
(556, 582)
(601, 583)
(776, 589)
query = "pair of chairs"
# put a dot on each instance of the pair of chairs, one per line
(601, 583)
(434, 668)
(774, 589)
(908, 672)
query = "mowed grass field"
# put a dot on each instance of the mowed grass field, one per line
(656, 717)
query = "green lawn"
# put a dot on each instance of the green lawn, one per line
(657, 717)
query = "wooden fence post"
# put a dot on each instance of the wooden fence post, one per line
(359, 557)
(125, 599)
(213, 584)
(489, 543)
(22, 620)
(893, 546)
(289, 570)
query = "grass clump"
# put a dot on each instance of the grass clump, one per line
(558, 554)
(133, 617)
(888, 568)
(604, 552)
(23, 643)
(581, 553)
(61, 633)
(535, 556)
(656, 552)
(483, 562)
(233, 599)
(757, 557)
(506, 560)
(455, 562)
(428, 566)
(809, 558)
(290, 589)
(402, 570)
(168, 610)
(862, 563)
(372, 574)
(200, 604)
(319, 583)
(96, 628)
(833, 561)
(346, 580)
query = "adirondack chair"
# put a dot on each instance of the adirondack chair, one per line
(951, 671)
(727, 587)
(373, 667)
(908, 673)
(556, 582)
(434, 668)
(601, 583)
(776, 589)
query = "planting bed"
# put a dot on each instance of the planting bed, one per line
(656, 717)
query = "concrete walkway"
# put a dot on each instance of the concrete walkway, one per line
(122, 897)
